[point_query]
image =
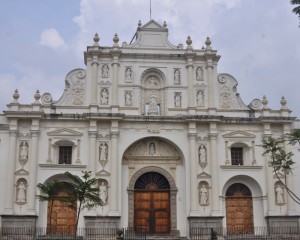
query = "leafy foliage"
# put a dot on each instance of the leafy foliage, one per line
(85, 192)
(296, 9)
(281, 160)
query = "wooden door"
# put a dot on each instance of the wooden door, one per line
(61, 219)
(239, 209)
(152, 204)
(152, 212)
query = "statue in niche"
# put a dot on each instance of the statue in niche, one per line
(103, 152)
(128, 98)
(153, 105)
(177, 76)
(152, 148)
(279, 194)
(200, 98)
(177, 100)
(21, 193)
(105, 71)
(199, 74)
(128, 75)
(202, 155)
(104, 96)
(103, 192)
(24, 150)
(203, 192)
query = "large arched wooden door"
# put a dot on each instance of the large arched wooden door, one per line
(239, 209)
(152, 204)
(61, 219)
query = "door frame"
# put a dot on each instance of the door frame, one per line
(173, 193)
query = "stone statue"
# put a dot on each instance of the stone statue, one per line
(105, 71)
(23, 150)
(103, 192)
(199, 74)
(177, 100)
(21, 195)
(203, 195)
(279, 194)
(128, 75)
(103, 152)
(177, 76)
(152, 148)
(128, 100)
(200, 98)
(104, 96)
(202, 154)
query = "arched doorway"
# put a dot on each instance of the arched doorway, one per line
(152, 204)
(239, 209)
(61, 219)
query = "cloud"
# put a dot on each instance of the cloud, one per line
(50, 37)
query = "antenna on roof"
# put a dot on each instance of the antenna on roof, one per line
(150, 10)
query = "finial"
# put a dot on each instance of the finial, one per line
(16, 95)
(96, 39)
(140, 23)
(116, 40)
(265, 102)
(283, 102)
(208, 43)
(165, 24)
(189, 41)
(37, 95)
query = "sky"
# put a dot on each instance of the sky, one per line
(258, 40)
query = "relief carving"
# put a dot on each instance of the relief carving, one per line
(103, 153)
(199, 74)
(128, 98)
(203, 193)
(21, 191)
(200, 98)
(202, 154)
(103, 191)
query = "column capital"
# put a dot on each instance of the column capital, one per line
(35, 133)
(192, 135)
(92, 133)
(114, 134)
(213, 136)
(95, 62)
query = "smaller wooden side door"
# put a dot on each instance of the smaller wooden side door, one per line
(61, 219)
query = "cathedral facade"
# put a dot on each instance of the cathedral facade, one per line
(170, 139)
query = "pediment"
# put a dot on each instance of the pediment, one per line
(21, 172)
(153, 25)
(64, 132)
(239, 134)
(203, 175)
(103, 173)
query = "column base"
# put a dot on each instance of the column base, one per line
(8, 211)
(282, 223)
(194, 213)
(113, 213)
(31, 212)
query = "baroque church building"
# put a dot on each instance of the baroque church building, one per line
(170, 139)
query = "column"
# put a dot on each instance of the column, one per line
(10, 177)
(92, 166)
(211, 90)
(269, 177)
(289, 178)
(193, 170)
(191, 92)
(94, 89)
(33, 171)
(215, 211)
(115, 66)
(114, 179)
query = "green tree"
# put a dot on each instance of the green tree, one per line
(85, 192)
(296, 9)
(281, 160)
(49, 192)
